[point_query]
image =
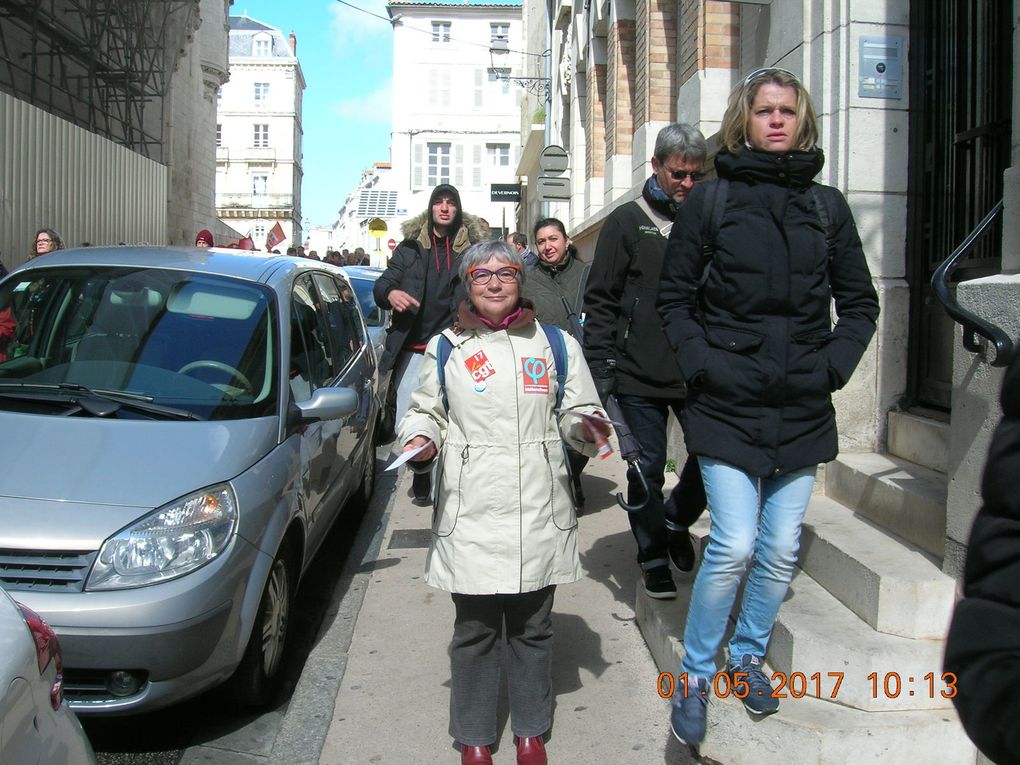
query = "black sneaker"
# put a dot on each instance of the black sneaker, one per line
(681, 549)
(748, 672)
(688, 712)
(421, 486)
(659, 583)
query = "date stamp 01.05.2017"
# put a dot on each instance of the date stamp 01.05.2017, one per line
(822, 685)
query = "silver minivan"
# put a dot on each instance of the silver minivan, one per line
(181, 428)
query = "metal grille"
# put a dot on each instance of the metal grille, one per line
(961, 77)
(47, 571)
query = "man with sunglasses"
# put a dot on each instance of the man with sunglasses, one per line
(631, 359)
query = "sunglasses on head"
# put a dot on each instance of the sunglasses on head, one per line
(769, 70)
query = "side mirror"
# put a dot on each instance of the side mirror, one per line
(328, 404)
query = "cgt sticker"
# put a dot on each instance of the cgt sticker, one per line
(536, 375)
(479, 366)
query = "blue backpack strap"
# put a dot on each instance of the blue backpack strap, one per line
(559, 350)
(443, 350)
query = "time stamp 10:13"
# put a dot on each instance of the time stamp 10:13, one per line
(796, 685)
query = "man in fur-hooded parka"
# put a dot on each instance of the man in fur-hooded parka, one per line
(421, 284)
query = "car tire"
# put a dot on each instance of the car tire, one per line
(258, 676)
(367, 485)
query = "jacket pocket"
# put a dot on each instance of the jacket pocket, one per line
(735, 340)
(807, 368)
(449, 501)
(732, 368)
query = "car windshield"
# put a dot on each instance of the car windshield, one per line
(374, 316)
(136, 343)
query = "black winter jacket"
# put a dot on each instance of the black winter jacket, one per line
(621, 321)
(406, 271)
(983, 648)
(755, 343)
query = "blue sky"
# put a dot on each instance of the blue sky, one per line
(347, 59)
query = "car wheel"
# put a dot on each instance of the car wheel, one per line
(258, 676)
(364, 493)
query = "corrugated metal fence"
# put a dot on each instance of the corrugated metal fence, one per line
(89, 189)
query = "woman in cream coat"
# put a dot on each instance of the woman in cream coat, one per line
(504, 529)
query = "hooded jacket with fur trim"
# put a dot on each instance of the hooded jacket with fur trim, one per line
(407, 270)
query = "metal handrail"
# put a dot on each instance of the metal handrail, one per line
(972, 325)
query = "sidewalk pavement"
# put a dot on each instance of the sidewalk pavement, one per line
(393, 701)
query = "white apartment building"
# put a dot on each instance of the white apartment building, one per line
(455, 118)
(258, 134)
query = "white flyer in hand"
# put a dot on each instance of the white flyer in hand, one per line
(404, 457)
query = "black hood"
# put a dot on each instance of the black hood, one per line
(446, 188)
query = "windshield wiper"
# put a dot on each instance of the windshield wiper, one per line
(103, 403)
(98, 403)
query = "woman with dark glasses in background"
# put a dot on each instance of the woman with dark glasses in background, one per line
(754, 262)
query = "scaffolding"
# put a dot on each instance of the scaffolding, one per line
(104, 65)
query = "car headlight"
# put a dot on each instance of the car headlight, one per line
(168, 543)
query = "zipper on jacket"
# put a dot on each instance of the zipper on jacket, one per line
(630, 319)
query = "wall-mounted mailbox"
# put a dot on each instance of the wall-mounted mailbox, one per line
(880, 72)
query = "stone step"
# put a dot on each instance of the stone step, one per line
(805, 731)
(920, 437)
(888, 582)
(840, 659)
(907, 499)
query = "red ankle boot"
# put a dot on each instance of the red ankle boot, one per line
(531, 751)
(475, 755)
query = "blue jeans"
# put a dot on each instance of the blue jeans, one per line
(647, 419)
(759, 517)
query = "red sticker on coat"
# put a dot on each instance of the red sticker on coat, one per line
(479, 366)
(536, 375)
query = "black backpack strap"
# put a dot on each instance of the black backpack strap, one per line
(711, 219)
(443, 350)
(824, 212)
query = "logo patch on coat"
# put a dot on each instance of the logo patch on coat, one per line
(536, 375)
(479, 366)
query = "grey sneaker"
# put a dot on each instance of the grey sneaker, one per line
(748, 672)
(688, 710)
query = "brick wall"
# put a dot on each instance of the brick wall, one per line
(620, 87)
(655, 80)
(709, 37)
(595, 145)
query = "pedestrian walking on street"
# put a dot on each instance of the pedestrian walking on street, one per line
(555, 284)
(756, 346)
(46, 240)
(983, 645)
(422, 287)
(631, 358)
(519, 242)
(204, 238)
(504, 530)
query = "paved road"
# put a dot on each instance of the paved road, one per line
(189, 732)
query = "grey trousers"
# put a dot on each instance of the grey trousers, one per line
(475, 658)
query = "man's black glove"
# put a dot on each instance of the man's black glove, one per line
(603, 372)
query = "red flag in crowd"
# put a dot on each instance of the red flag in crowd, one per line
(275, 236)
(246, 243)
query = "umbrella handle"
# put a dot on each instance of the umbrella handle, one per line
(644, 487)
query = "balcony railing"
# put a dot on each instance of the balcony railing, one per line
(250, 201)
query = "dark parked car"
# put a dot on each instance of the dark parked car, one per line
(181, 429)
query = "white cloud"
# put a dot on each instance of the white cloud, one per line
(350, 26)
(373, 108)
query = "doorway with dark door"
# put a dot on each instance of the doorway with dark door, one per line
(961, 54)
